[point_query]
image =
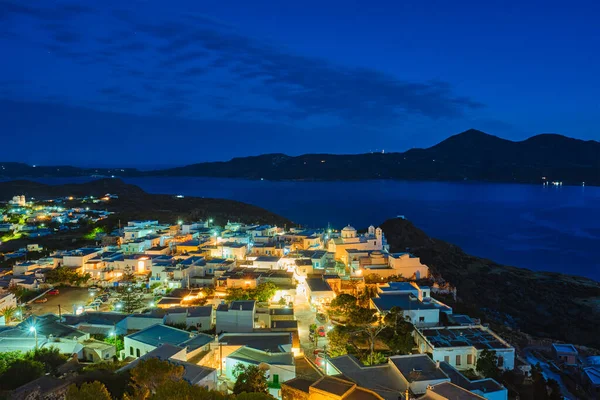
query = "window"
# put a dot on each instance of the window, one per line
(374, 243)
(447, 359)
(137, 352)
(500, 361)
(469, 359)
(458, 359)
(421, 319)
(130, 350)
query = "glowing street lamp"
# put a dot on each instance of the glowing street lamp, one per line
(34, 331)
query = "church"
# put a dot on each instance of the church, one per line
(349, 239)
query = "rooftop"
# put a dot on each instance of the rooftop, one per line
(417, 367)
(484, 385)
(157, 335)
(405, 301)
(271, 341)
(565, 348)
(593, 374)
(382, 379)
(476, 336)
(254, 356)
(267, 259)
(449, 391)
(318, 285)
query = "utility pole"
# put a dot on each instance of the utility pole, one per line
(59, 314)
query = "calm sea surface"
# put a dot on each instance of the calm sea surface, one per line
(536, 227)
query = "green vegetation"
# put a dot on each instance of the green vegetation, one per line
(8, 313)
(487, 364)
(364, 330)
(130, 299)
(88, 391)
(116, 341)
(20, 372)
(93, 234)
(18, 368)
(67, 276)
(262, 293)
(249, 379)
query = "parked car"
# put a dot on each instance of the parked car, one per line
(321, 318)
(53, 292)
(42, 300)
(321, 331)
(93, 289)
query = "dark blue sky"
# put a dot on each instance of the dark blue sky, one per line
(164, 83)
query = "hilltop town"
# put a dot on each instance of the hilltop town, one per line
(329, 312)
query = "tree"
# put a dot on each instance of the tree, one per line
(66, 275)
(18, 291)
(540, 391)
(21, 372)
(182, 390)
(8, 358)
(366, 295)
(375, 358)
(249, 379)
(343, 304)
(130, 298)
(8, 313)
(555, 392)
(487, 364)
(366, 319)
(88, 391)
(150, 374)
(265, 291)
(339, 338)
(49, 357)
(116, 341)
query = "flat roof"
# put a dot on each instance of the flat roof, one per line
(267, 259)
(271, 341)
(565, 348)
(254, 356)
(381, 379)
(450, 391)
(318, 285)
(460, 336)
(159, 334)
(418, 368)
(406, 302)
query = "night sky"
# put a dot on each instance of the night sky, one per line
(157, 83)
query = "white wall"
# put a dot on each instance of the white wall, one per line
(234, 321)
(431, 317)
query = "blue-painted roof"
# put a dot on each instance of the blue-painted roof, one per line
(404, 301)
(159, 334)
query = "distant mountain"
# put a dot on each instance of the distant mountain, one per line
(469, 156)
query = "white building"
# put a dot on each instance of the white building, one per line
(349, 239)
(408, 265)
(140, 343)
(18, 201)
(460, 346)
(178, 355)
(237, 317)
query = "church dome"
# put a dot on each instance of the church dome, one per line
(348, 232)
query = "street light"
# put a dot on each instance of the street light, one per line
(32, 329)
